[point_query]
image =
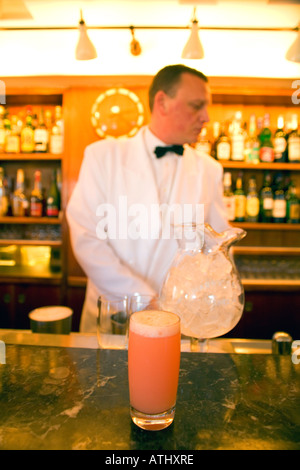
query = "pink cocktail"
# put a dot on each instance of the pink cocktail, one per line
(153, 367)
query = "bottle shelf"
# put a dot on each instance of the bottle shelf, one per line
(18, 241)
(31, 220)
(31, 156)
(265, 226)
(268, 267)
(240, 165)
(29, 275)
(266, 250)
(271, 284)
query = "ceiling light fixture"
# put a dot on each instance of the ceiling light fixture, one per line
(293, 52)
(85, 49)
(193, 48)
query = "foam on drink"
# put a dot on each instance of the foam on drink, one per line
(154, 323)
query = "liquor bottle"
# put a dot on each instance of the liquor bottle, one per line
(27, 136)
(34, 121)
(216, 133)
(294, 142)
(203, 144)
(58, 118)
(36, 197)
(53, 199)
(252, 203)
(48, 119)
(20, 125)
(240, 200)
(228, 196)
(237, 138)
(12, 144)
(251, 150)
(292, 205)
(2, 130)
(56, 136)
(266, 151)
(266, 199)
(41, 135)
(19, 200)
(223, 146)
(55, 260)
(3, 195)
(59, 180)
(280, 143)
(259, 126)
(279, 206)
(7, 132)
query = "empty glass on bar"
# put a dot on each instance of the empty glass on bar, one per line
(112, 323)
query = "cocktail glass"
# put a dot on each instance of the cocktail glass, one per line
(112, 323)
(153, 367)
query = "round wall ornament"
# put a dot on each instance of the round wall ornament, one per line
(117, 112)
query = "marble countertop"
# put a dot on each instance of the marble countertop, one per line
(58, 397)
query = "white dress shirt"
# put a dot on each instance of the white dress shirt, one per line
(164, 168)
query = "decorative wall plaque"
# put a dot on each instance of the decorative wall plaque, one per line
(116, 113)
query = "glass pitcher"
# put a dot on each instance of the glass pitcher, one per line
(203, 286)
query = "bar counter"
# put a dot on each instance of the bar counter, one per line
(63, 393)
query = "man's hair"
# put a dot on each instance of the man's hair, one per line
(167, 79)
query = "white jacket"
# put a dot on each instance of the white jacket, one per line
(119, 173)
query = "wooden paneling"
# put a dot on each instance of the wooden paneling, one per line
(75, 300)
(267, 312)
(18, 299)
(79, 133)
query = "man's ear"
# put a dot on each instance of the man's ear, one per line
(161, 102)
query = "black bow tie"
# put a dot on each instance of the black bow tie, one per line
(161, 151)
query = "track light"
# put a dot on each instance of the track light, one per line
(85, 49)
(135, 47)
(193, 48)
(293, 52)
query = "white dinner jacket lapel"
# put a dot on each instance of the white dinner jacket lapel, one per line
(139, 178)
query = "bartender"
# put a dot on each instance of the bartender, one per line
(122, 183)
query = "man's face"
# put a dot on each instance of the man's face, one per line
(187, 109)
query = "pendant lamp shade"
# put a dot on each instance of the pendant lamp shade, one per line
(293, 52)
(193, 48)
(85, 49)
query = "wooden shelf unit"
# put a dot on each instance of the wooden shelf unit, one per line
(21, 242)
(260, 166)
(77, 95)
(31, 220)
(8, 157)
(266, 250)
(266, 226)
